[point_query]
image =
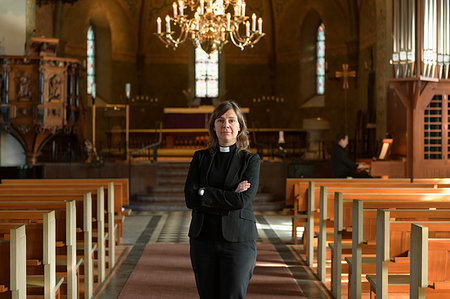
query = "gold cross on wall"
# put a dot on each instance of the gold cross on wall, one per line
(345, 74)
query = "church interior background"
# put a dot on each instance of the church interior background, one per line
(322, 67)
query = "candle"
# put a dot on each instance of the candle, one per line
(236, 11)
(168, 24)
(260, 21)
(253, 22)
(228, 21)
(181, 4)
(197, 23)
(243, 9)
(247, 24)
(127, 90)
(239, 7)
(202, 7)
(158, 25)
(174, 5)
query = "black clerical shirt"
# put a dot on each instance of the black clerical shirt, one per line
(212, 225)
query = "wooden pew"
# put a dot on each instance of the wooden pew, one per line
(339, 227)
(84, 223)
(378, 191)
(301, 195)
(114, 191)
(13, 257)
(398, 242)
(66, 234)
(120, 186)
(303, 183)
(441, 201)
(26, 192)
(41, 245)
(438, 264)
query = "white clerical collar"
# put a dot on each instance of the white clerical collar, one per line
(224, 149)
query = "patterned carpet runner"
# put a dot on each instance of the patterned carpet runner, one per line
(164, 271)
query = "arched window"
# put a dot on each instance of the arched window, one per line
(90, 59)
(206, 74)
(320, 60)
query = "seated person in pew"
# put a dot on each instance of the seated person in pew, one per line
(341, 165)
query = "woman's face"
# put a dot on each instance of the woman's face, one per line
(227, 128)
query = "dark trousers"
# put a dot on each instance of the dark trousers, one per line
(222, 269)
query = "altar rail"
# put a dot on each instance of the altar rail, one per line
(184, 142)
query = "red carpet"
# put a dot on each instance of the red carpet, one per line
(164, 271)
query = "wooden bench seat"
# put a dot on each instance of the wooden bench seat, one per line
(399, 242)
(41, 245)
(121, 193)
(302, 196)
(429, 264)
(368, 230)
(67, 212)
(437, 197)
(98, 204)
(39, 282)
(387, 195)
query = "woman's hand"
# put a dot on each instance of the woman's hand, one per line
(243, 186)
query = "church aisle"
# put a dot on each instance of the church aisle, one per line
(165, 233)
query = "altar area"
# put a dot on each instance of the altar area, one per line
(184, 131)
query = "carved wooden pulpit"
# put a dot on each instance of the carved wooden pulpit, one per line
(39, 95)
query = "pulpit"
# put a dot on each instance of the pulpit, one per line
(39, 95)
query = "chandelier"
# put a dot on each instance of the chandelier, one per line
(209, 25)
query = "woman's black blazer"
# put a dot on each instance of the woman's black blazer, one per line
(238, 220)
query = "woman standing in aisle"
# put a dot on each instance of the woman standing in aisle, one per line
(220, 187)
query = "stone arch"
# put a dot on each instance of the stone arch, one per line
(308, 55)
(291, 19)
(123, 37)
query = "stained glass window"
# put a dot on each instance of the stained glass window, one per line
(320, 60)
(206, 74)
(90, 59)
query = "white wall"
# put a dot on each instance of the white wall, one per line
(12, 27)
(11, 152)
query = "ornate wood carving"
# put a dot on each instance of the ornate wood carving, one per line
(39, 96)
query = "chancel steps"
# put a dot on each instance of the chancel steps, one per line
(168, 195)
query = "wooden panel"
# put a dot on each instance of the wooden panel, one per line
(391, 169)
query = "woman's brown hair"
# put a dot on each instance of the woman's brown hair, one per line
(242, 141)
